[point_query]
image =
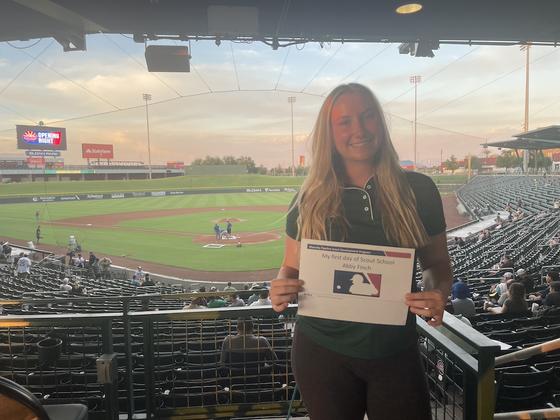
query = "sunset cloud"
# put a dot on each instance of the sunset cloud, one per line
(468, 94)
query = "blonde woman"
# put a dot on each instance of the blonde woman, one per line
(357, 192)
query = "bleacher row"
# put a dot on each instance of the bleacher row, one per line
(186, 353)
(534, 383)
(185, 367)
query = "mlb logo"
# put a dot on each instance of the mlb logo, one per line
(356, 283)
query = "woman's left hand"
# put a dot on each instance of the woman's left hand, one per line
(429, 304)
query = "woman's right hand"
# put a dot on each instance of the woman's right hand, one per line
(283, 291)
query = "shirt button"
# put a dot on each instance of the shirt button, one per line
(364, 197)
(366, 208)
(368, 187)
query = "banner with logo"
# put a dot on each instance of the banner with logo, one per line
(355, 282)
(35, 161)
(97, 151)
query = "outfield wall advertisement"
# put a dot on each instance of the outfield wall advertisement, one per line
(136, 194)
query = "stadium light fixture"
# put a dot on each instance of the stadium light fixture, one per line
(148, 97)
(408, 8)
(415, 80)
(291, 100)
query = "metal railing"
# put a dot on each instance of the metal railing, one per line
(168, 362)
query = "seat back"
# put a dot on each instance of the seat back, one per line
(18, 402)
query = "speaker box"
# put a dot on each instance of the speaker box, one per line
(167, 58)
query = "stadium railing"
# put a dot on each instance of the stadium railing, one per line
(459, 362)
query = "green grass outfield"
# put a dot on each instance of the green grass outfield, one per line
(179, 182)
(147, 242)
(147, 239)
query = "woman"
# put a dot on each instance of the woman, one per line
(357, 192)
(515, 303)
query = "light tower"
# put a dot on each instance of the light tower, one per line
(291, 100)
(415, 80)
(148, 97)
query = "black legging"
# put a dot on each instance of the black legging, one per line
(338, 387)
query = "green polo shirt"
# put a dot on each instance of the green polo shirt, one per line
(362, 340)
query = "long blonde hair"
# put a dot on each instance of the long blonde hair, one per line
(320, 198)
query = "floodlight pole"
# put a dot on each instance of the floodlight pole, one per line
(291, 100)
(526, 120)
(147, 97)
(415, 80)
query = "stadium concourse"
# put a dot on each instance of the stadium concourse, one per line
(124, 349)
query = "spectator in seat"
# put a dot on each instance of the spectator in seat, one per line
(65, 286)
(229, 288)
(135, 282)
(255, 296)
(515, 303)
(551, 276)
(523, 277)
(148, 280)
(500, 289)
(460, 242)
(246, 346)
(79, 261)
(461, 301)
(140, 274)
(553, 298)
(263, 299)
(196, 303)
(216, 302)
(105, 267)
(235, 300)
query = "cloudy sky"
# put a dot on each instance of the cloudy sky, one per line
(235, 99)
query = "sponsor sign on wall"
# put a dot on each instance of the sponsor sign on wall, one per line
(175, 165)
(52, 153)
(41, 137)
(120, 195)
(36, 161)
(97, 151)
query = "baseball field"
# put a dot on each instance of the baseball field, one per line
(174, 231)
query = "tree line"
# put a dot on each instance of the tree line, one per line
(507, 159)
(248, 162)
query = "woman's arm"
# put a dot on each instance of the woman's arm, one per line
(285, 287)
(437, 278)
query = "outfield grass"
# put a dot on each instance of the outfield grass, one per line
(18, 221)
(179, 182)
(146, 239)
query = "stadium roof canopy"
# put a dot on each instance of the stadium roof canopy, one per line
(539, 139)
(282, 22)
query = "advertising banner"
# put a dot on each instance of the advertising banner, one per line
(50, 153)
(41, 137)
(136, 194)
(37, 161)
(97, 151)
(175, 165)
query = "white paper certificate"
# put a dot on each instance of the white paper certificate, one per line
(355, 282)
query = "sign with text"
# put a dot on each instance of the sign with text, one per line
(50, 153)
(41, 137)
(97, 151)
(175, 165)
(355, 282)
(37, 161)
